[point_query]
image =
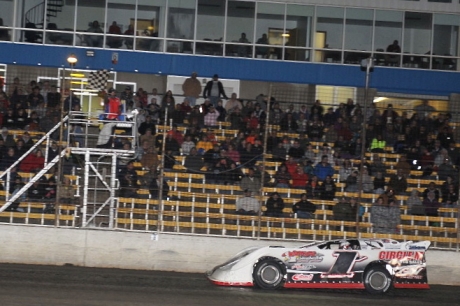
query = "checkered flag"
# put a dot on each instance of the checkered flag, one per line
(98, 80)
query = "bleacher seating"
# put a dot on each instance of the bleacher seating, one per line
(195, 206)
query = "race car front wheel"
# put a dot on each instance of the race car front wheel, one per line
(269, 274)
(377, 280)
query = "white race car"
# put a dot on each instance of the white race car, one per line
(372, 264)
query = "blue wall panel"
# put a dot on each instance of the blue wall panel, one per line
(408, 81)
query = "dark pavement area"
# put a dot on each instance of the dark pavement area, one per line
(66, 285)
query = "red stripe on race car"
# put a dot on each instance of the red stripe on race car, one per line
(232, 284)
(325, 285)
(411, 286)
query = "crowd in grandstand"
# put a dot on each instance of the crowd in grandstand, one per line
(318, 149)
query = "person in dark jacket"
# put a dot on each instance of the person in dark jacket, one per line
(304, 208)
(275, 205)
(343, 211)
(328, 189)
(214, 90)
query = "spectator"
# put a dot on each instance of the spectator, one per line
(210, 119)
(424, 109)
(221, 111)
(8, 159)
(128, 181)
(394, 216)
(288, 124)
(250, 182)
(35, 98)
(313, 188)
(432, 188)
(148, 124)
(36, 192)
(214, 90)
(299, 179)
(258, 171)
(176, 134)
(380, 217)
(310, 154)
(8, 139)
(247, 205)
(50, 193)
(187, 145)
(233, 154)
(296, 151)
(16, 185)
(445, 185)
(342, 211)
(248, 156)
(328, 189)
(150, 160)
(449, 199)
(431, 205)
(212, 156)
(378, 144)
(345, 170)
(351, 183)
(236, 119)
(169, 161)
(193, 162)
(388, 196)
(356, 208)
(414, 204)
(282, 177)
(404, 166)
(94, 40)
(304, 209)
(67, 192)
(33, 161)
(446, 169)
(275, 206)
(233, 104)
(172, 145)
(192, 88)
(366, 180)
(379, 183)
(204, 145)
(324, 168)
(398, 182)
(147, 139)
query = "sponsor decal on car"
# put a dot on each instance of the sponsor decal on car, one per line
(302, 277)
(388, 255)
(303, 267)
(416, 247)
(302, 256)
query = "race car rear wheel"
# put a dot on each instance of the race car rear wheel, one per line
(269, 274)
(377, 280)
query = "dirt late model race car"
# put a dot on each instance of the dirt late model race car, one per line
(372, 264)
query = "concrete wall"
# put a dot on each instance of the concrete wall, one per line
(171, 252)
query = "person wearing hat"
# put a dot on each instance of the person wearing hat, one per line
(113, 105)
(35, 98)
(214, 90)
(247, 205)
(71, 101)
(127, 96)
(210, 119)
(192, 88)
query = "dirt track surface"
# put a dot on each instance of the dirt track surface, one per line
(68, 286)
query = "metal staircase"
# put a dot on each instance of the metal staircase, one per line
(99, 166)
(36, 15)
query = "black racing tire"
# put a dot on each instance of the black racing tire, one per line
(269, 274)
(377, 280)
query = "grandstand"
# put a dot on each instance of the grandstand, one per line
(195, 206)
